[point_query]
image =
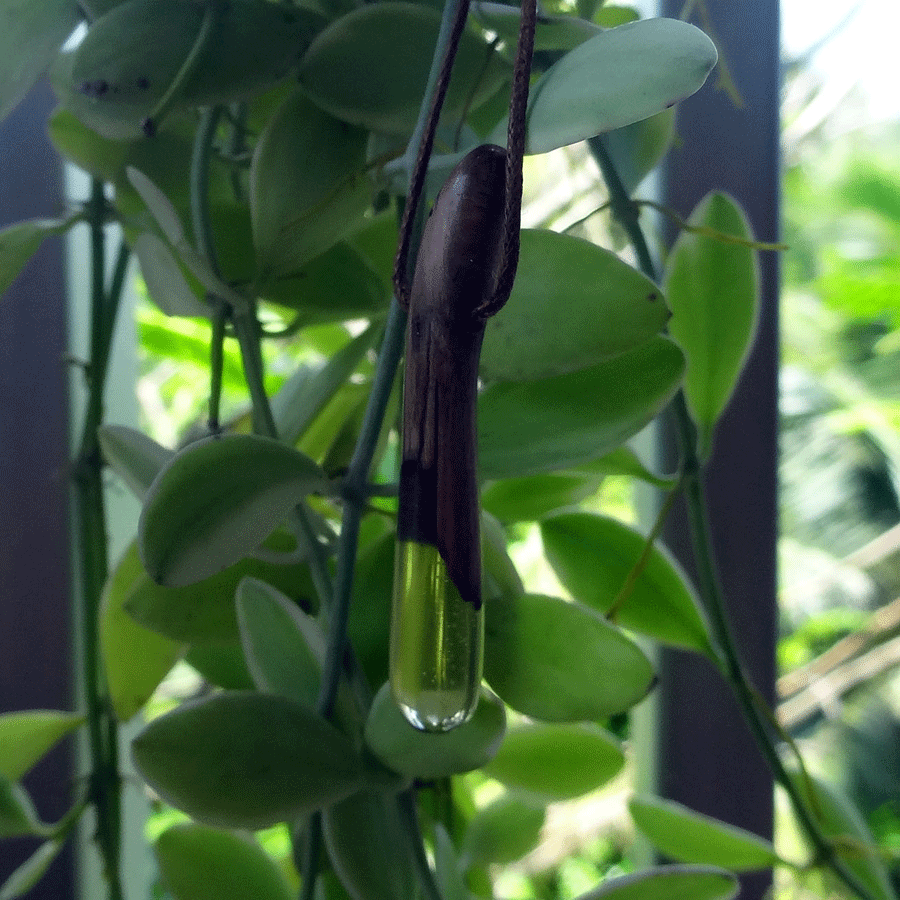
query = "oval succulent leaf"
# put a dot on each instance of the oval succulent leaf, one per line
(308, 185)
(246, 760)
(556, 762)
(503, 831)
(669, 883)
(370, 67)
(609, 308)
(201, 863)
(593, 557)
(561, 422)
(418, 754)
(216, 501)
(368, 848)
(131, 56)
(561, 662)
(136, 458)
(25, 737)
(135, 658)
(619, 76)
(713, 288)
(691, 837)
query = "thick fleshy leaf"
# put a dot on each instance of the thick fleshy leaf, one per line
(166, 283)
(169, 221)
(216, 501)
(136, 458)
(573, 305)
(246, 760)
(336, 286)
(201, 863)
(669, 883)
(31, 33)
(625, 461)
(19, 242)
(27, 875)
(308, 185)
(368, 847)
(135, 658)
(691, 837)
(561, 662)
(713, 290)
(502, 832)
(18, 816)
(619, 76)
(222, 665)
(131, 56)
(25, 737)
(305, 393)
(557, 423)
(447, 869)
(550, 33)
(636, 149)
(370, 610)
(593, 556)
(284, 648)
(532, 497)
(370, 67)
(422, 754)
(556, 762)
(838, 817)
(204, 612)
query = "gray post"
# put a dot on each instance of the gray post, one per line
(706, 756)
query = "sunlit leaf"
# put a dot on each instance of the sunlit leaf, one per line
(669, 883)
(26, 737)
(561, 662)
(712, 287)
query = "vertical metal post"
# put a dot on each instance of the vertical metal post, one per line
(35, 618)
(706, 756)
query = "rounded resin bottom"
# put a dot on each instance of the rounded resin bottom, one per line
(437, 641)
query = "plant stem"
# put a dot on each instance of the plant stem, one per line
(626, 211)
(91, 545)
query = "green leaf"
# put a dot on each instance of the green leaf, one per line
(367, 846)
(136, 458)
(246, 760)
(447, 869)
(691, 837)
(132, 55)
(27, 875)
(336, 286)
(18, 816)
(421, 754)
(216, 501)
(169, 221)
(370, 67)
(204, 612)
(607, 83)
(26, 737)
(502, 832)
(306, 393)
(564, 287)
(308, 185)
(557, 423)
(625, 461)
(561, 662)
(713, 289)
(593, 556)
(166, 283)
(222, 665)
(370, 609)
(201, 863)
(556, 762)
(284, 648)
(135, 658)
(636, 149)
(839, 818)
(550, 33)
(31, 33)
(19, 242)
(669, 883)
(532, 497)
